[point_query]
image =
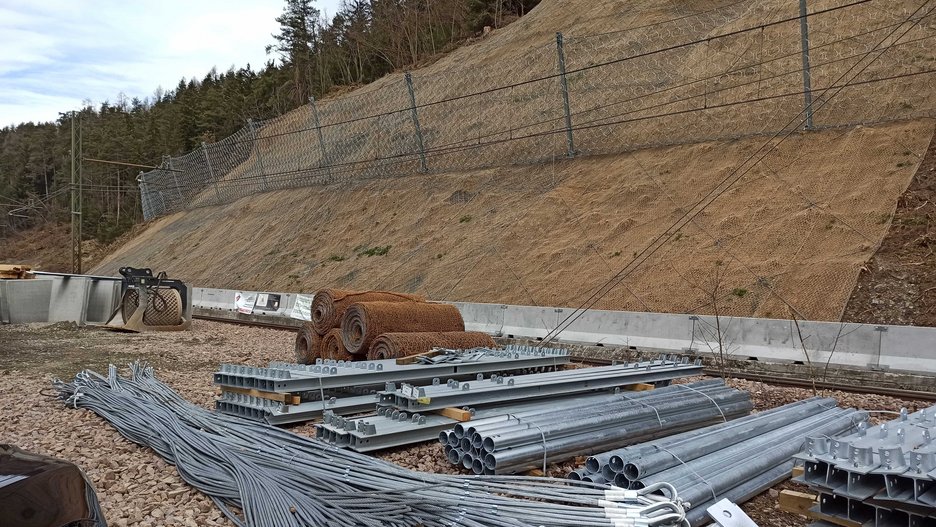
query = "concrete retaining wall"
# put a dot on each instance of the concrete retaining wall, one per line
(900, 348)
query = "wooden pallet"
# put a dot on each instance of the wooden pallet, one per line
(15, 272)
(285, 398)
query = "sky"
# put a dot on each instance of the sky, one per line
(55, 54)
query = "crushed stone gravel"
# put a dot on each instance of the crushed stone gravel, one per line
(137, 488)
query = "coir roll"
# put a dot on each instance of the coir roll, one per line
(396, 345)
(333, 348)
(329, 305)
(365, 321)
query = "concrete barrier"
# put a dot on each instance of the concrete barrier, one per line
(899, 348)
(59, 298)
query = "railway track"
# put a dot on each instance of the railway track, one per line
(798, 382)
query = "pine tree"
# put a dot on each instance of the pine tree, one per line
(296, 43)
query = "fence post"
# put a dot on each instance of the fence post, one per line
(565, 94)
(175, 178)
(256, 139)
(807, 80)
(144, 197)
(211, 172)
(318, 130)
(419, 136)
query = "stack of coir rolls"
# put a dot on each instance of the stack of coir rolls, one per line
(358, 325)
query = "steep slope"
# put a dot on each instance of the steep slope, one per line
(470, 196)
(793, 232)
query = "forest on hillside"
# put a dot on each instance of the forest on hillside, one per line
(309, 57)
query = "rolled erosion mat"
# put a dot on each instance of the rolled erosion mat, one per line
(329, 305)
(333, 348)
(396, 345)
(308, 344)
(365, 321)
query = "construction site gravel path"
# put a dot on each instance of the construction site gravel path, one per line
(135, 487)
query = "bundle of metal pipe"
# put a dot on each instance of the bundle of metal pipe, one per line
(519, 441)
(883, 475)
(262, 476)
(735, 460)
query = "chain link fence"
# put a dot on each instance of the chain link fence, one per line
(738, 70)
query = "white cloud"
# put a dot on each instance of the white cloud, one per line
(57, 53)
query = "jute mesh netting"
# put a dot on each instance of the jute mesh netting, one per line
(308, 344)
(333, 348)
(395, 345)
(365, 321)
(329, 305)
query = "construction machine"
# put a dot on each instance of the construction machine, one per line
(151, 302)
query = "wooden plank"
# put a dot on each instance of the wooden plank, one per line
(456, 413)
(798, 471)
(536, 473)
(286, 398)
(802, 503)
(640, 387)
(411, 359)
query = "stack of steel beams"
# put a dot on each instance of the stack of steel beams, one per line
(883, 475)
(258, 393)
(497, 389)
(735, 460)
(518, 441)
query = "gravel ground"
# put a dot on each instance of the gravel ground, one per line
(136, 488)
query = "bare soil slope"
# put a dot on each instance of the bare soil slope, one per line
(789, 238)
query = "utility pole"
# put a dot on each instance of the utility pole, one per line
(76, 156)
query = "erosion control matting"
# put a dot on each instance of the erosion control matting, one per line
(329, 305)
(396, 345)
(308, 344)
(333, 348)
(365, 321)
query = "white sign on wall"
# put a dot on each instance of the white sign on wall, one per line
(302, 309)
(245, 302)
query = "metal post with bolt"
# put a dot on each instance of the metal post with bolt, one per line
(323, 164)
(175, 177)
(564, 85)
(144, 197)
(254, 133)
(807, 80)
(415, 114)
(211, 172)
(76, 178)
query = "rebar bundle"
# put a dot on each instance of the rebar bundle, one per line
(735, 460)
(277, 478)
(514, 442)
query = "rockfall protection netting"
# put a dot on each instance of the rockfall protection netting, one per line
(731, 71)
(396, 345)
(329, 305)
(261, 476)
(333, 347)
(308, 344)
(365, 321)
